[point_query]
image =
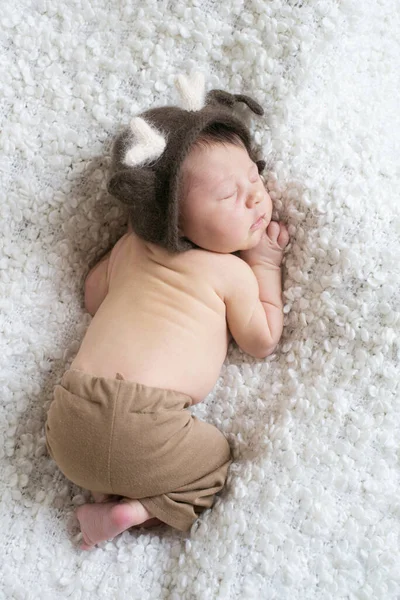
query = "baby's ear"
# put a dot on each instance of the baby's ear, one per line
(133, 186)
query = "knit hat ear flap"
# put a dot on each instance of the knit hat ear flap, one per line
(136, 187)
(132, 185)
(227, 99)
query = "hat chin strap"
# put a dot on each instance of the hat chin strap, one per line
(191, 90)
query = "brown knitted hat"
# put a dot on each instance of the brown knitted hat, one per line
(147, 157)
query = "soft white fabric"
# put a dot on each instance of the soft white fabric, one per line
(311, 509)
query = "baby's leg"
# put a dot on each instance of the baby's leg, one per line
(104, 520)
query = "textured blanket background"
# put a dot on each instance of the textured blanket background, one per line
(311, 509)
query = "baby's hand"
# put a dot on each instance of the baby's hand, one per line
(269, 250)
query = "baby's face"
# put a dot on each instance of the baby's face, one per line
(223, 196)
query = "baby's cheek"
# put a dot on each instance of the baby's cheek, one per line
(221, 225)
(268, 200)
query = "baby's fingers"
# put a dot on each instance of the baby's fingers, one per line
(283, 238)
(278, 233)
(273, 230)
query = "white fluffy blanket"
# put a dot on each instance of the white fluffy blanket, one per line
(311, 509)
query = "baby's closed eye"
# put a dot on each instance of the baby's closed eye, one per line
(230, 195)
(254, 178)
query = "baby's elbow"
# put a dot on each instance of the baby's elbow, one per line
(261, 346)
(269, 345)
(265, 352)
(260, 350)
(269, 351)
(92, 300)
(91, 309)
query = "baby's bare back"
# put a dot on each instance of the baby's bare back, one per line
(163, 321)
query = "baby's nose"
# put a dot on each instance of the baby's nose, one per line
(255, 197)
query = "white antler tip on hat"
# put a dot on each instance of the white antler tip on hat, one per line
(148, 145)
(191, 90)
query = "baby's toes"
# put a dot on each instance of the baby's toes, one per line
(273, 230)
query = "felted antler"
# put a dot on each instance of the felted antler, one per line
(148, 145)
(191, 90)
(227, 99)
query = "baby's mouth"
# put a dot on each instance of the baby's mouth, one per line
(258, 223)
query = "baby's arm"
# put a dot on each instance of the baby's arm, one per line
(254, 301)
(96, 282)
(96, 285)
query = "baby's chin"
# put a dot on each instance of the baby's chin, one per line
(253, 240)
(239, 247)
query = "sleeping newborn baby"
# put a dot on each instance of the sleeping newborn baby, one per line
(200, 262)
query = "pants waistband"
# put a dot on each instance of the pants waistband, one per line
(140, 397)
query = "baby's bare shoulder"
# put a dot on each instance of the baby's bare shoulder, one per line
(224, 270)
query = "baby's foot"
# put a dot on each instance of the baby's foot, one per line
(99, 497)
(103, 521)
